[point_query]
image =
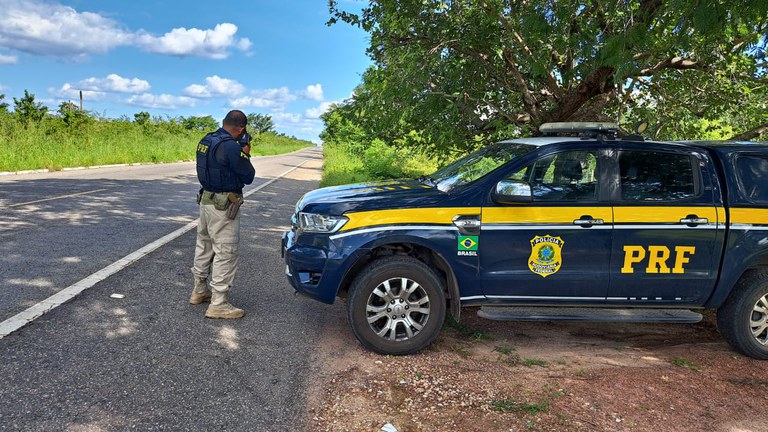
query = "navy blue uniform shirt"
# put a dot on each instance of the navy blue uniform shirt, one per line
(230, 167)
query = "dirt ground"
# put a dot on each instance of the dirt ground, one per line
(483, 375)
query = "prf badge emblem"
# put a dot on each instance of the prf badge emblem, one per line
(546, 255)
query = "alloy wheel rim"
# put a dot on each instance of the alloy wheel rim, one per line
(758, 322)
(398, 309)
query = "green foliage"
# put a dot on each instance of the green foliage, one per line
(510, 405)
(466, 331)
(535, 362)
(200, 124)
(340, 167)
(352, 157)
(27, 110)
(53, 143)
(684, 362)
(272, 143)
(141, 117)
(378, 162)
(72, 116)
(448, 77)
(3, 105)
(260, 123)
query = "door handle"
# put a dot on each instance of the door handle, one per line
(467, 224)
(588, 221)
(693, 220)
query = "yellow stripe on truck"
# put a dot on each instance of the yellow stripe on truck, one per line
(749, 216)
(416, 216)
(541, 215)
(661, 214)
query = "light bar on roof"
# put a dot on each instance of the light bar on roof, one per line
(578, 127)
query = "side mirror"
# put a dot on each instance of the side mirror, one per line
(512, 192)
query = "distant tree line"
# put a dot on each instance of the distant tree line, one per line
(27, 111)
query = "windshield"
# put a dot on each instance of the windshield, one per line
(477, 164)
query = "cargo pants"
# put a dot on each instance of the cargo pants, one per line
(217, 249)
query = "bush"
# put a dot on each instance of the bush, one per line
(377, 162)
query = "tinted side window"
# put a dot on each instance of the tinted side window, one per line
(656, 176)
(568, 176)
(752, 172)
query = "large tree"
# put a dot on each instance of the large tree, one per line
(260, 123)
(468, 70)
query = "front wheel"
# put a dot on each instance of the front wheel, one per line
(396, 305)
(743, 319)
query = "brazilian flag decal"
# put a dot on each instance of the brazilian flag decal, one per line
(467, 243)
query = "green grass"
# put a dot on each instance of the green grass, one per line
(683, 362)
(343, 165)
(52, 145)
(272, 144)
(534, 362)
(506, 350)
(466, 331)
(341, 168)
(510, 405)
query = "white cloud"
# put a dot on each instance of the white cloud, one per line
(215, 86)
(67, 91)
(275, 99)
(319, 110)
(162, 101)
(209, 43)
(287, 118)
(8, 59)
(314, 92)
(113, 83)
(98, 88)
(44, 27)
(296, 124)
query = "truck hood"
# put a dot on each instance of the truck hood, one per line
(337, 200)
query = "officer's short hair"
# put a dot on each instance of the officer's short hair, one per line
(235, 118)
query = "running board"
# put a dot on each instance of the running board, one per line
(502, 313)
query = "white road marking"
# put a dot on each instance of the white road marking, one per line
(56, 197)
(25, 317)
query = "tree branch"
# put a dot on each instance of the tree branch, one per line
(678, 63)
(751, 134)
(597, 82)
(528, 100)
(550, 80)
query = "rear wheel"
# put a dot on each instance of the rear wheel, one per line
(743, 319)
(396, 305)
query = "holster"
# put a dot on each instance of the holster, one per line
(235, 201)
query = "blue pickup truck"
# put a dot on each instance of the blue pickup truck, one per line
(578, 224)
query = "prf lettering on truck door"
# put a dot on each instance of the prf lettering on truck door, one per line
(658, 258)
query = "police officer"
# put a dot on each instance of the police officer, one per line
(223, 168)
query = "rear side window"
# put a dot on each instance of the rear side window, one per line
(753, 173)
(657, 176)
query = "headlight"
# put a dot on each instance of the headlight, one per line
(317, 223)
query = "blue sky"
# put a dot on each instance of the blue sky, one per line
(183, 58)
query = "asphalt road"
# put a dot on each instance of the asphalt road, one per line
(150, 361)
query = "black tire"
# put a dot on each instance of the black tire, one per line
(743, 319)
(404, 301)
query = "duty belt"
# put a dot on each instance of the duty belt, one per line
(206, 198)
